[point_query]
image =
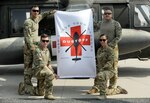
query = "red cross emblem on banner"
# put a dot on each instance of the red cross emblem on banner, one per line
(75, 41)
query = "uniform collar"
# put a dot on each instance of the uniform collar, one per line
(46, 49)
(106, 21)
(104, 48)
(34, 19)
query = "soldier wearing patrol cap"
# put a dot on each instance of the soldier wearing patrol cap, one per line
(105, 65)
(31, 26)
(113, 30)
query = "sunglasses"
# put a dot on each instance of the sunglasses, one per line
(107, 13)
(35, 10)
(45, 41)
(102, 40)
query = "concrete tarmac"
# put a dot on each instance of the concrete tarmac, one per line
(134, 76)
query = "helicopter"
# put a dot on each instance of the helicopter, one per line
(76, 43)
(133, 15)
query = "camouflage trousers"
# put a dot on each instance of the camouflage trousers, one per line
(28, 74)
(113, 91)
(103, 77)
(26, 87)
(113, 80)
(45, 77)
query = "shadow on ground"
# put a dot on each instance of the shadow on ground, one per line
(134, 72)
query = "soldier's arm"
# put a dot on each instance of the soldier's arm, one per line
(118, 34)
(109, 64)
(27, 34)
(49, 65)
(46, 13)
(99, 66)
(49, 59)
(38, 61)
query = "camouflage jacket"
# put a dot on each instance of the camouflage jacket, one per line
(41, 58)
(105, 59)
(31, 27)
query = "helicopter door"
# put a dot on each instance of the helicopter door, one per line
(121, 14)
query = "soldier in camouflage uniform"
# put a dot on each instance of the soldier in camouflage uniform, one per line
(31, 26)
(105, 65)
(114, 31)
(42, 69)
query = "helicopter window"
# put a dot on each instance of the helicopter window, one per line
(18, 17)
(142, 16)
(121, 14)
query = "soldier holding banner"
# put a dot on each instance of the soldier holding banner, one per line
(31, 27)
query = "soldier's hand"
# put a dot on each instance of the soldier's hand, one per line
(33, 48)
(56, 76)
(49, 66)
(53, 11)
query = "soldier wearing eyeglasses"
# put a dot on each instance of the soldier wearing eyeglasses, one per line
(42, 68)
(114, 31)
(105, 66)
(31, 27)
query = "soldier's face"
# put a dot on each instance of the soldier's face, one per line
(35, 12)
(107, 14)
(103, 41)
(44, 42)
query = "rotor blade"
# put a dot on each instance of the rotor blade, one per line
(68, 48)
(82, 46)
(82, 33)
(69, 35)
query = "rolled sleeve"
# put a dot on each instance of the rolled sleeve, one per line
(118, 34)
(109, 65)
(38, 61)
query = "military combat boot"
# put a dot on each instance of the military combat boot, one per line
(122, 90)
(30, 90)
(21, 89)
(92, 91)
(49, 97)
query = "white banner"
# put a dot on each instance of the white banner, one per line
(75, 44)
